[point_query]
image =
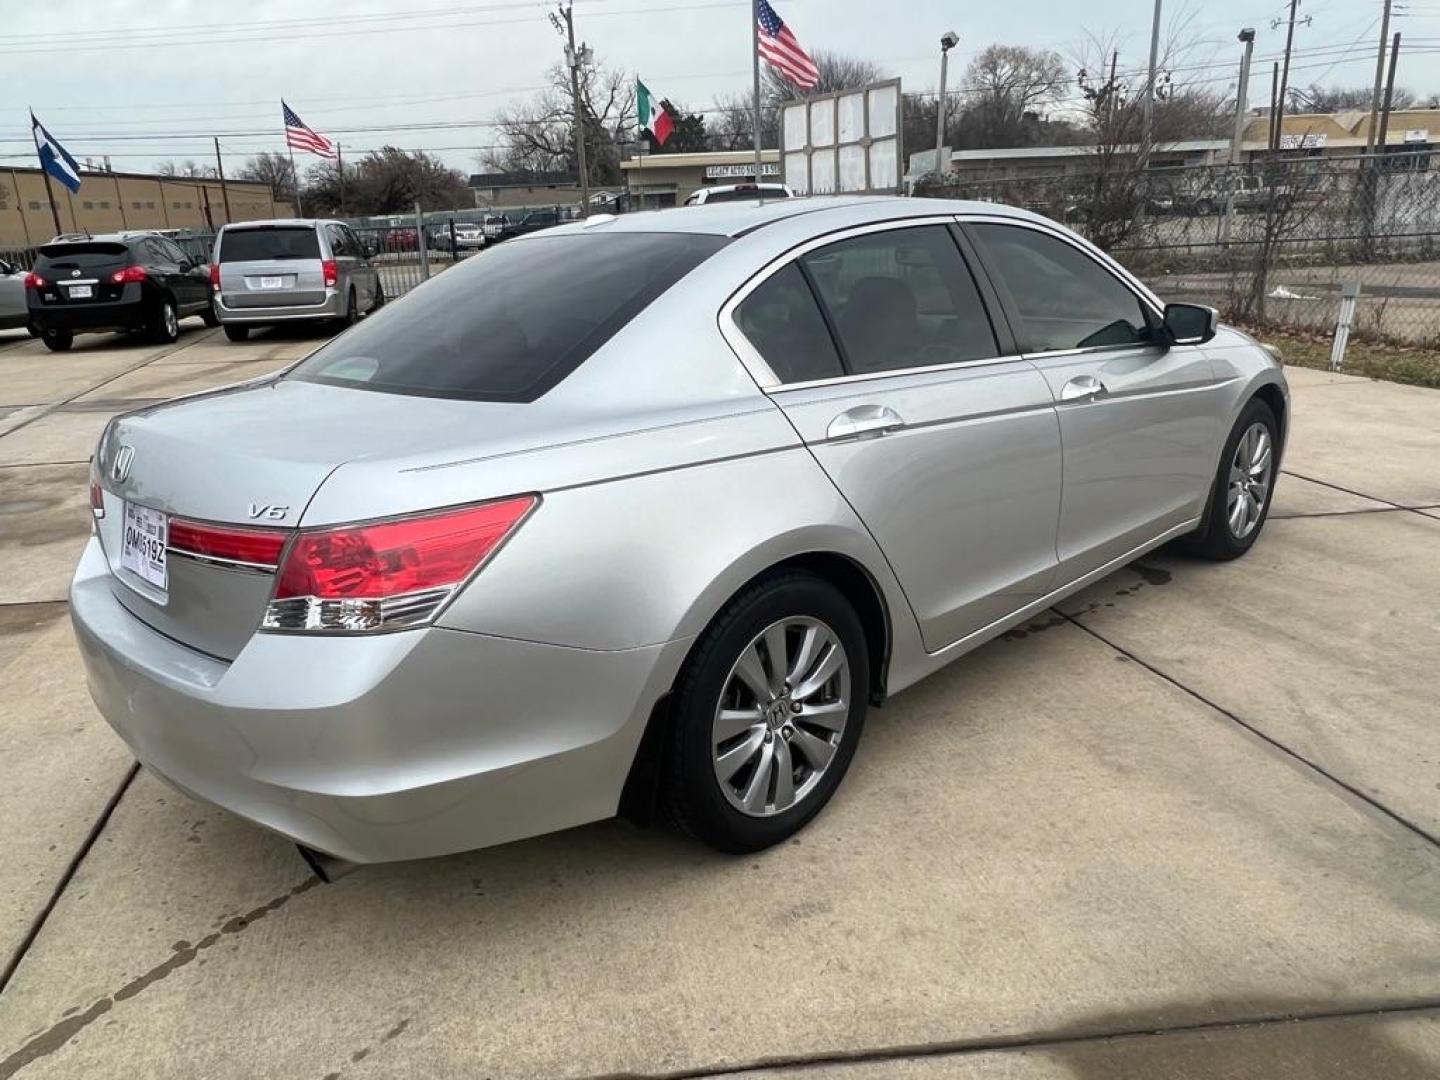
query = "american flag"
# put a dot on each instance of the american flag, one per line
(300, 137)
(780, 50)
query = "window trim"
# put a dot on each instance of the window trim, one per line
(1149, 302)
(770, 383)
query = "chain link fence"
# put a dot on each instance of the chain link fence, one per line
(1269, 244)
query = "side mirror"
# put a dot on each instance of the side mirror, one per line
(1190, 324)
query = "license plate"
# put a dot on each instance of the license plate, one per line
(81, 292)
(142, 548)
(272, 283)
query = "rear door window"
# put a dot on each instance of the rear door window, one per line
(258, 245)
(1064, 297)
(511, 325)
(783, 321)
(902, 298)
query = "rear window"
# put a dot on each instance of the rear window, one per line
(251, 245)
(81, 256)
(510, 323)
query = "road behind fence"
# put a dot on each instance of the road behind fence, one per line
(1272, 244)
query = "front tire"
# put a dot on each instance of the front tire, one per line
(166, 326)
(57, 340)
(1243, 488)
(766, 714)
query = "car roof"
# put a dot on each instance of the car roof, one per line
(270, 223)
(829, 211)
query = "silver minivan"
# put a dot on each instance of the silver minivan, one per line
(269, 272)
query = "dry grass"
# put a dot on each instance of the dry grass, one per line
(1374, 359)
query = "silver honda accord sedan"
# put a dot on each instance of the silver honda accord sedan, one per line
(646, 512)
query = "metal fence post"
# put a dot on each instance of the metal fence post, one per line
(1349, 295)
(454, 246)
(420, 242)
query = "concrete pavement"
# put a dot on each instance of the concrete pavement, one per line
(1130, 840)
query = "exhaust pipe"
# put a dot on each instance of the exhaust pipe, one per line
(327, 868)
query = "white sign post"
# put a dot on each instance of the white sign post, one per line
(847, 143)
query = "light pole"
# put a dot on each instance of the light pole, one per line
(948, 41)
(1247, 37)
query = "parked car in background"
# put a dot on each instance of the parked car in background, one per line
(131, 281)
(469, 236)
(298, 270)
(13, 312)
(494, 564)
(738, 193)
(531, 222)
(494, 225)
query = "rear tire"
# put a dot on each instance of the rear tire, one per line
(209, 317)
(166, 325)
(786, 751)
(351, 313)
(57, 340)
(1243, 488)
(379, 295)
(236, 333)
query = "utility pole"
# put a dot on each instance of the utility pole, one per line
(1379, 74)
(1389, 97)
(948, 41)
(1285, 73)
(1273, 142)
(220, 172)
(1147, 116)
(574, 59)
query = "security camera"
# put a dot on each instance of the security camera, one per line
(1248, 34)
(949, 40)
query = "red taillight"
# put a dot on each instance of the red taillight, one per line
(228, 543)
(35, 281)
(215, 276)
(129, 274)
(97, 498)
(332, 273)
(397, 557)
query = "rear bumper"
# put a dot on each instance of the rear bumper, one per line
(332, 307)
(393, 746)
(130, 313)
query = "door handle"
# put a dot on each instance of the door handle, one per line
(864, 421)
(1082, 388)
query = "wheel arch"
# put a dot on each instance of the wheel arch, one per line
(1273, 396)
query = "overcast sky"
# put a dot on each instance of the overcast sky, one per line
(162, 69)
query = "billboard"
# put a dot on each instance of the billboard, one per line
(847, 143)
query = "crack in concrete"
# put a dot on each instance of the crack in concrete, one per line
(1360, 494)
(58, 1034)
(1047, 1040)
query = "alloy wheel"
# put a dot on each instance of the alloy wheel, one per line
(172, 324)
(781, 716)
(1250, 473)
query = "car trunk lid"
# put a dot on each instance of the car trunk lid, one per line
(271, 266)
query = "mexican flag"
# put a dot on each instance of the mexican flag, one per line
(652, 116)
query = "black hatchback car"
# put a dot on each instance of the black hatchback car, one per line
(130, 282)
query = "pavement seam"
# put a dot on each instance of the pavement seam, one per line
(1255, 730)
(205, 335)
(1353, 513)
(1359, 494)
(967, 1047)
(42, 464)
(38, 923)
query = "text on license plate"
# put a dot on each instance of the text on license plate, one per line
(272, 283)
(142, 547)
(80, 292)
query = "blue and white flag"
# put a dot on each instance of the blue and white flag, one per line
(54, 158)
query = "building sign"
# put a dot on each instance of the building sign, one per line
(1310, 141)
(741, 172)
(1417, 135)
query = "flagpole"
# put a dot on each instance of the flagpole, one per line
(49, 189)
(755, 65)
(340, 166)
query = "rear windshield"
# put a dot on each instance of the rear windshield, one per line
(81, 255)
(250, 245)
(746, 195)
(511, 322)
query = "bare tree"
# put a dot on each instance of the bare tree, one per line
(539, 135)
(1008, 88)
(189, 169)
(1333, 99)
(272, 169)
(388, 181)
